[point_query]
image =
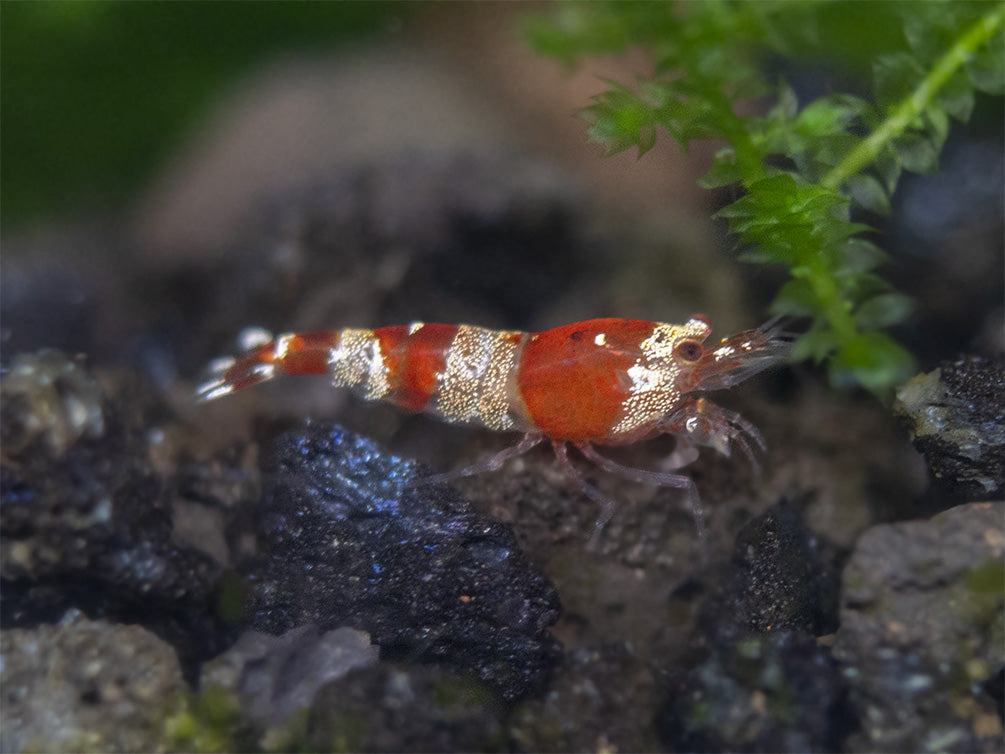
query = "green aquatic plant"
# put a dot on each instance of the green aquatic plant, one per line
(802, 167)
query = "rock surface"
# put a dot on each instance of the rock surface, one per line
(768, 692)
(592, 705)
(783, 576)
(957, 418)
(413, 708)
(83, 685)
(352, 538)
(86, 521)
(922, 632)
(274, 677)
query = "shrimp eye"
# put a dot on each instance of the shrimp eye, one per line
(688, 350)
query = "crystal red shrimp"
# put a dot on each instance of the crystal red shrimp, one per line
(597, 382)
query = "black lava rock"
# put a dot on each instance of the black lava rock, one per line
(781, 579)
(772, 692)
(351, 539)
(84, 515)
(762, 681)
(957, 417)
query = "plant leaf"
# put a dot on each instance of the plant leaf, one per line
(817, 344)
(883, 310)
(895, 76)
(724, 170)
(873, 360)
(868, 193)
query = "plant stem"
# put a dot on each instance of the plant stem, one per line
(836, 308)
(916, 102)
(748, 156)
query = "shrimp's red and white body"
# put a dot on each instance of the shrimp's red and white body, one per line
(597, 382)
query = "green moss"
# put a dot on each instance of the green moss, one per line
(347, 734)
(208, 721)
(987, 579)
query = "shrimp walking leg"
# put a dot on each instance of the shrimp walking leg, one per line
(491, 463)
(657, 478)
(607, 505)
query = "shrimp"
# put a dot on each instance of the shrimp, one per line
(597, 382)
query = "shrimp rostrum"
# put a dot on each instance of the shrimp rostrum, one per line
(597, 382)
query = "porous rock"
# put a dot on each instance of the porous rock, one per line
(923, 630)
(769, 692)
(782, 579)
(274, 676)
(351, 539)
(85, 520)
(83, 685)
(957, 419)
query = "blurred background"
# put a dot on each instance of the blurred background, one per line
(97, 95)
(107, 105)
